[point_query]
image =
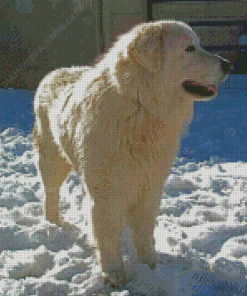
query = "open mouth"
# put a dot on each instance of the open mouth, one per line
(195, 88)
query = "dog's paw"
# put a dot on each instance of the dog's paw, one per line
(115, 278)
(150, 260)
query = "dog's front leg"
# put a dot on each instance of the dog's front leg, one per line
(107, 227)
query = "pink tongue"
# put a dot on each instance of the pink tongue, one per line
(211, 87)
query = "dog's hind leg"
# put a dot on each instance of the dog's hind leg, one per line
(54, 168)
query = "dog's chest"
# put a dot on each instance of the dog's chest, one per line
(154, 138)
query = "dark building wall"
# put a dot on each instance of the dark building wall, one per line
(37, 36)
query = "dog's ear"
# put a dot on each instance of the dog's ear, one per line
(147, 47)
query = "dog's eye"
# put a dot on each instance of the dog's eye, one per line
(190, 48)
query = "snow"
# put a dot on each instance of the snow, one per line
(201, 231)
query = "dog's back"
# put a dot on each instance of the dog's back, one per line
(53, 83)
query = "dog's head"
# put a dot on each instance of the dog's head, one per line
(172, 49)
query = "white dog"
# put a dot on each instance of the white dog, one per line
(118, 125)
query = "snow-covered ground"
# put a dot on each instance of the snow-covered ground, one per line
(201, 232)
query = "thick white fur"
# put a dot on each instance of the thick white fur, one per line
(118, 124)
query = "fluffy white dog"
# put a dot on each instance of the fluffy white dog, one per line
(118, 125)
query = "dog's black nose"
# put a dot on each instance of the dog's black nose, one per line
(225, 65)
